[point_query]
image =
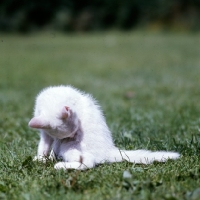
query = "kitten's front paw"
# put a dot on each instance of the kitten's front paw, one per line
(40, 159)
(69, 165)
(60, 165)
(52, 156)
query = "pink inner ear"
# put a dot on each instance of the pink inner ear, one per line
(38, 122)
(64, 112)
(67, 108)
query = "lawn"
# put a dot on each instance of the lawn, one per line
(148, 85)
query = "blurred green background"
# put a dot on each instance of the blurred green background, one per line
(95, 15)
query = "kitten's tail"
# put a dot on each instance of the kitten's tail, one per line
(141, 156)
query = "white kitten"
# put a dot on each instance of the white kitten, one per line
(71, 123)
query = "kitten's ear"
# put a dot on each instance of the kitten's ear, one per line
(65, 112)
(39, 123)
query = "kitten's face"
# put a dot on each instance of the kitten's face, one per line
(59, 126)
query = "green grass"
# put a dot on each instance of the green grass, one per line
(149, 88)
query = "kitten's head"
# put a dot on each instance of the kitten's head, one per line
(60, 125)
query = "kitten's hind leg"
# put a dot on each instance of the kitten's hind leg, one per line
(84, 163)
(69, 165)
(72, 165)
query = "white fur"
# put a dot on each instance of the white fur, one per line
(71, 123)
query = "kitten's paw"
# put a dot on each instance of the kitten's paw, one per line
(60, 165)
(40, 159)
(52, 156)
(69, 165)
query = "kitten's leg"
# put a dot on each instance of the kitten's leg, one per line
(74, 159)
(89, 163)
(43, 147)
(72, 165)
